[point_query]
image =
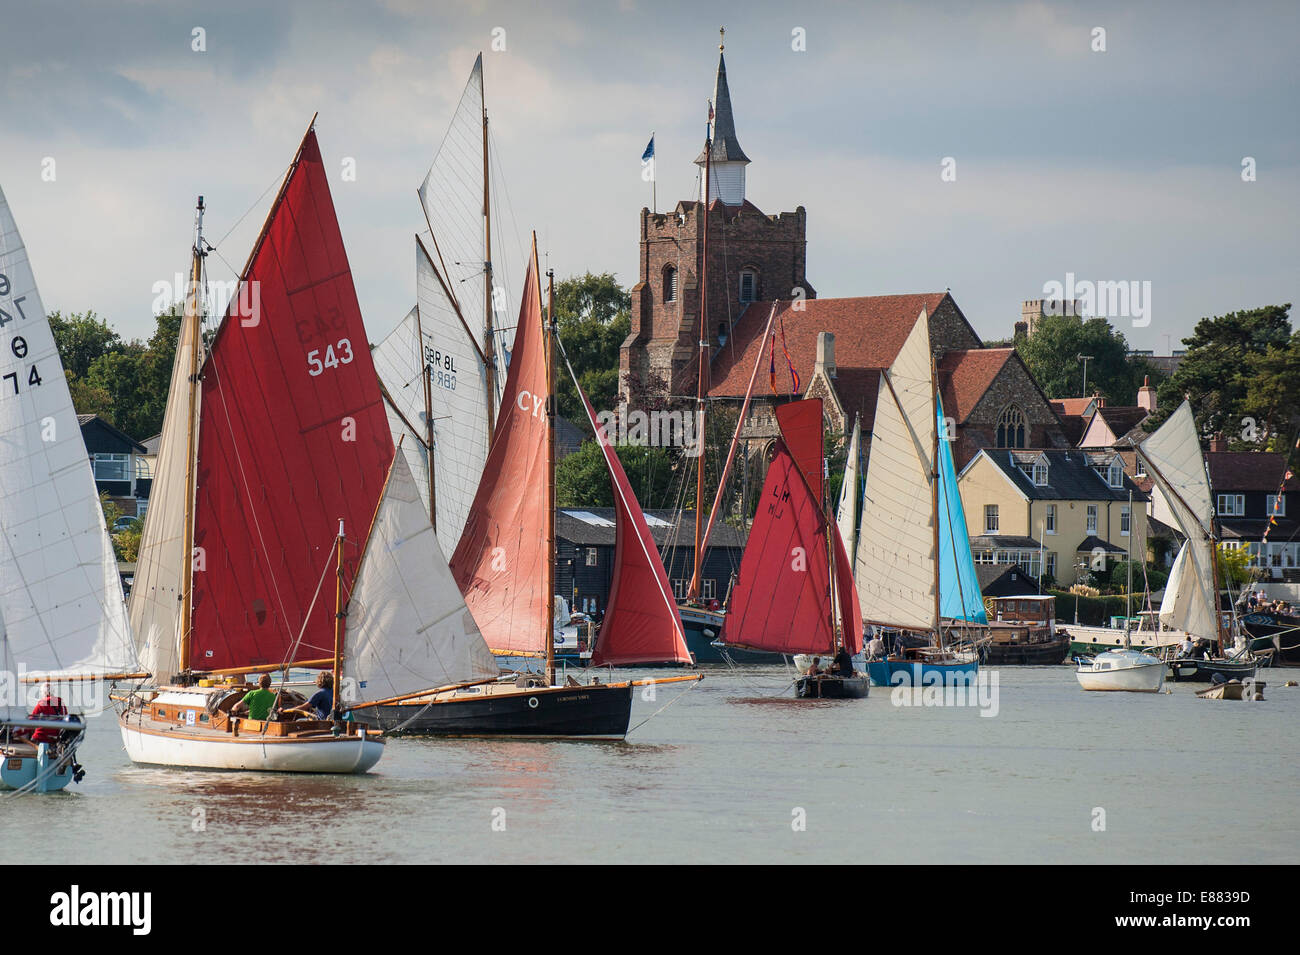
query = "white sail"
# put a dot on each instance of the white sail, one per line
(895, 564)
(161, 570)
(457, 394)
(1176, 465)
(1184, 606)
(60, 593)
(408, 628)
(847, 514)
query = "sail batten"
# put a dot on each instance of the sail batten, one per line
(61, 605)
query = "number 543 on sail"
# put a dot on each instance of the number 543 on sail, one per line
(317, 365)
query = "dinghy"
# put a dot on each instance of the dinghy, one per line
(1126, 669)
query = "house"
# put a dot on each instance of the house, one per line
(1005, 580)
(118, 463)
(1246, 486)
(1064, 512)
(1119, 426)
(584, 554)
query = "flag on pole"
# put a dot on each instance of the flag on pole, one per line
(648, 161)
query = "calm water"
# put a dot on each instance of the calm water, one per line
(718, 776)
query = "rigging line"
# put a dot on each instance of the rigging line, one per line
(256, 202)
(690, 686)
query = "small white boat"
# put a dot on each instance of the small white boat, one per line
(1122, 670)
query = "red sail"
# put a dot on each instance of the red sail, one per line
(847, 591)
(801, 429)
(641, 622)
(782, 598)
(293, 438)
(500, 562)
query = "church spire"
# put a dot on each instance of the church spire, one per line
(728, 159)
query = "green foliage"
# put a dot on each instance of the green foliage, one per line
(582, 480)
(1234, 567)
(1143, 578)
(1051, 354)
(1242, 374)
(125, 383)
(594, 315)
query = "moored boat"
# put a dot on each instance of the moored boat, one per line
(1251, 690)
(1126, 670)
(1022, 632)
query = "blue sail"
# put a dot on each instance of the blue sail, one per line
(959, 589)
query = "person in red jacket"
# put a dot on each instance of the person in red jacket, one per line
(47, 705)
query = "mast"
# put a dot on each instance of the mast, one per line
(702, 386)
(338, 613)
(192, 318)
(425, 372)
(1128, 599)
(837, 635)
(550, 331)
(489, 349)
(1214, 564)
(934, 498)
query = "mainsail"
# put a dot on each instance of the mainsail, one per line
(435, 339)
(500, 561)
(60, 595)
(846, 516)
(292, 439)
(1175, 463)
(162, 566)
(960, 597)
(641, 624)
(781, 601)
(895, 566)
(408, 628)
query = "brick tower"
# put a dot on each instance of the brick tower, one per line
(752, 257)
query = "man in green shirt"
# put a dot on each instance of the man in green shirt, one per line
(256, 704)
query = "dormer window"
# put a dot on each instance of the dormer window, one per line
(748, 285)
(670, 284)
(1115, 474)
(1040, 474)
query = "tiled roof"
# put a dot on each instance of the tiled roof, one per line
(726, 148)
(1071, 406)
(869, 332)
(1249, 471)
(594, 527)
(1070, 477)
(965, 376)
(1124, 420)
(1093, 542)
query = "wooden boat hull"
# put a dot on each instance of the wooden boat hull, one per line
(150, 744)
(828, 686)
(1202, 671)
(1048, 653)
(921, 673)
(598, 712)
(1233, 690)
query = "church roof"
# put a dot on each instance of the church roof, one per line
(964, 377)
(726, 148)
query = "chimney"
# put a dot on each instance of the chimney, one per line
(825, 354)
(1218, 443)
(1147, 395)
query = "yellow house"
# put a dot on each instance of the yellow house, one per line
(1062, 513)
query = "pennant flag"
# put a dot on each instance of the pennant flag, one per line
(649, 153)
(772, 364)
(794, 375)
(648, 161)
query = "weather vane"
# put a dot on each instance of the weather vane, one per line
(722, 36)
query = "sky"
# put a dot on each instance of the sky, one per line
(990, 148)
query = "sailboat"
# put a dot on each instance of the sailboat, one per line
(794, 592)
(62, 615)
(273, 437)
(846, 514)
(913, 566)
(504, 566)
(1173, 458)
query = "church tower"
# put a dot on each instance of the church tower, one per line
(753, 258)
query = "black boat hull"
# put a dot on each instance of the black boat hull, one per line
(831, 687)
(1202, 671)
(1049, 653)
(599, 712)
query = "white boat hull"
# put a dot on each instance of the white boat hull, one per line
(1148, 678)
(343, 754)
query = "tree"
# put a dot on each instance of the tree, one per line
(582, 479)
(81, 339)
(1051, 354)
(1238, 373)
(593, 313)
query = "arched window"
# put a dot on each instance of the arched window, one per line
(748, 285)
(1011, 428)
(670, 284)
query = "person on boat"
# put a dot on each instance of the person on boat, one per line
(47, 705)
(256, 704)
(1186, 649)
(321, 704)
(844, 663)
(875, 647)
(900, 648)
(814, 668)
